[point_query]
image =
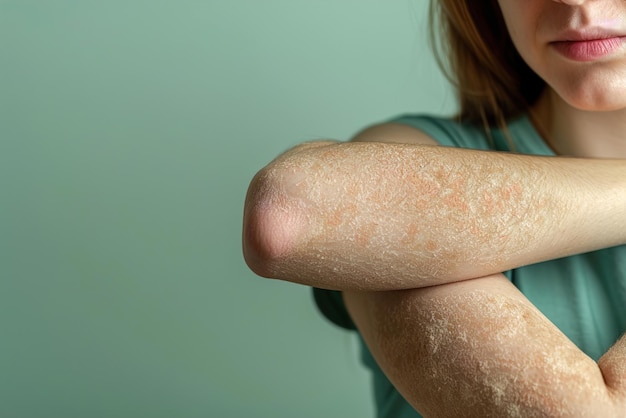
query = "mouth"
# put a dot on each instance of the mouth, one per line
(589, 45)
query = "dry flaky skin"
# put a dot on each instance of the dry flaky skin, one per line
(389, 216)
(479, 349)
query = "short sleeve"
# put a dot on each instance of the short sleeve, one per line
(447, 132)
(330, 304)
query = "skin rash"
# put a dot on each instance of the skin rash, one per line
(390, 216)
(482, 362)
(368, 217)
(475, 348)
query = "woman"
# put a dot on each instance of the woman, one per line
(416, 237)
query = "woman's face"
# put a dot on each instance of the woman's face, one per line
(577, 47)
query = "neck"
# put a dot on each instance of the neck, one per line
(580, 133)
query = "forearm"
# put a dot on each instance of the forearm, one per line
(480, 349)
(391, 216)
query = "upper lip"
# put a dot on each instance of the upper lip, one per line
(587, 34)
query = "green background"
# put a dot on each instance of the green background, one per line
(128, 133)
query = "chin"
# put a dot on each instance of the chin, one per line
(596, 105)
(592, 88)
(587, 97)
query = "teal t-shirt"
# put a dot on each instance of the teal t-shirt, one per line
(583, 295)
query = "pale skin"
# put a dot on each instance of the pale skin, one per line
(373, 216)
(435, 226)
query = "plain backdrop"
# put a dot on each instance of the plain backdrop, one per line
(129, 130)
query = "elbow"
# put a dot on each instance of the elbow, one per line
(612, 365)
(271, 224)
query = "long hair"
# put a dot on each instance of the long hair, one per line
(474, 49)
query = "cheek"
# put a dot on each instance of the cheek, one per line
(522, 22)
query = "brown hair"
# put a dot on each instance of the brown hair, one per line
(474, 49)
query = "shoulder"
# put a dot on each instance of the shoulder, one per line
(428, 130)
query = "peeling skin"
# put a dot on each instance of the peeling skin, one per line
(272, 221)
(377, 217)
(483, 350)
(394, 203)
(392, 216)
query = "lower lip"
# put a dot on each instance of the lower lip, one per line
(589, 50)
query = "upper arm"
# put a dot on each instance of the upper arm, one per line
(477, 348)
(393, 133)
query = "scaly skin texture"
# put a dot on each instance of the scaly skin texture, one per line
(479, 349)
(379, 217)
(391, 216)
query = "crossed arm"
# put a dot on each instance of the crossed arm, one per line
(364, 217)
(374, 216)
(479, 348)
